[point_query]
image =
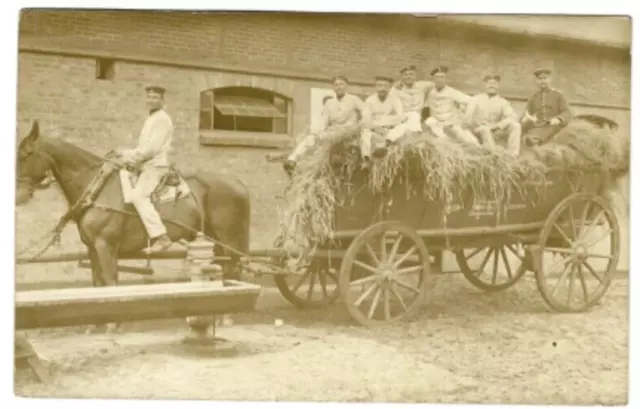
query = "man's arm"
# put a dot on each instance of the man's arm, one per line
(565, 114)
(366, 114)
(507, 115)
(470, 111)
(528, 114)
(393, 119)
(149, 147)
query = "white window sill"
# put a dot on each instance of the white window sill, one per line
(245, 139)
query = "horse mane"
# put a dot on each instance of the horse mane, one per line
(72, 153)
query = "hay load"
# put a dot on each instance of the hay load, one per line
(445, 168)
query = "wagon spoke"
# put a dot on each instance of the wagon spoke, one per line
(485, 261)
(409, 270)
(407, 286)
(474, 252)
(583, 218)
(572, 222)
(564, 260)
(362, 281)
(506, 262)
(394, 249)
(565, 272)
(494, 276)
(405, 256)
(312, 283)
(561, 250)
(302, 279)
(583, 284)
(593, 222)
(399, 297)
(599, 239)
(374, 304)
(564, 235)
(571, 283)
(366, 294)
(515, 253)
(323, 283)
(592, 271)
(365, 266)
(602, 256)
(372, 253)
(387, 312)
(383, 247)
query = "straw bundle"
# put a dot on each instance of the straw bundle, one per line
(445, 168)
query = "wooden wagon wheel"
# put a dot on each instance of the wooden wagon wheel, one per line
(315, 287)
(507, 266)
(384, 273)
(573, 228)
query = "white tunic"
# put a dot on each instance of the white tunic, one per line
(384, 113)
(445, 105)
(154, 143)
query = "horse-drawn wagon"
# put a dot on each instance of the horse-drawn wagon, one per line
(553, 221)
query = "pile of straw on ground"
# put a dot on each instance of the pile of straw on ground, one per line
(446, 169)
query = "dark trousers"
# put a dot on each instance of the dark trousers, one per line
(538, 134)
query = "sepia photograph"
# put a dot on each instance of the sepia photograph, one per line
(322, 206)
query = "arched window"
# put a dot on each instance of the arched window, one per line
(244, 109)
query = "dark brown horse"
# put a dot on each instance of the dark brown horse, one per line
(115, 231)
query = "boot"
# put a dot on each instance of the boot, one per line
(288, 166)
(159, 244)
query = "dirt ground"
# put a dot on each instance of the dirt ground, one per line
(464, 347)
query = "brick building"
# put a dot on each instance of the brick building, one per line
(82, 74)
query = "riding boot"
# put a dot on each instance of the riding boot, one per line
(289, 166)
(159, 244)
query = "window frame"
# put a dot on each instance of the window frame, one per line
(219, 137)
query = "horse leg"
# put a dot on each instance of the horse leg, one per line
(96, 278)
(108, 260)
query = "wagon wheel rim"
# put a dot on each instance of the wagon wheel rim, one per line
(566, 258)
(393, 263)
(492, 268)
(313, 286)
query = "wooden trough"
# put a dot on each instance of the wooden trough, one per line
(96, 305)
(86, 306)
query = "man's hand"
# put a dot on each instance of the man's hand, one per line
(555, 121)
(529, 118)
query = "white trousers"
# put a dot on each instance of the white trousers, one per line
(438, 129)
(141, 200)
(512, 133)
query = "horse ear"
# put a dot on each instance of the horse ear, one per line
(35, 131)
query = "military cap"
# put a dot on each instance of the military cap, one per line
(383, 78)
(440, 70)
(494, 77)
(542, 71)
(408, 68)
(155, 89)
(340, 77)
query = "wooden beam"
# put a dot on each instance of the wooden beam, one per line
(86, 306)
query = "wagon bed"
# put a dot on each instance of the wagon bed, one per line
(548, 226)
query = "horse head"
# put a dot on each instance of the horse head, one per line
(33, 165)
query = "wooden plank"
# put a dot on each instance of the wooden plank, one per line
(85, 306)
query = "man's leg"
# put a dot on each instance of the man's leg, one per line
(149, 216)
(514, 137)
(397, 132)
(435, 127)
(485, 135)
(365, 143)
(301, 148)
(540, 135)
(463, 135)
(413, 122)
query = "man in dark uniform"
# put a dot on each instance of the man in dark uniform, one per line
(547, 111)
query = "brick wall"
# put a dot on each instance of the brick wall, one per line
(62, 92)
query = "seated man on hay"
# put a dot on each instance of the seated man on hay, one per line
(546, 113)
(445, 104)
(490, 116)
(344, 109)
(385, 117)
(412, 95)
